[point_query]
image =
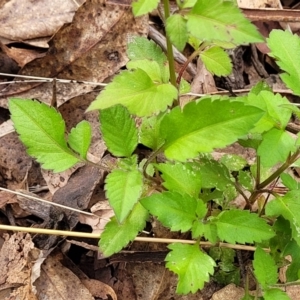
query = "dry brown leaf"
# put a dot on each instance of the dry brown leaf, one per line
(16, 259)
(59, 283)
(27, 20)
(81, 52)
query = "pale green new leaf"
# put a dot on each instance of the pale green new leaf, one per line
(123, 189)
(42, 130)
(185, 3)
(216, 61)
(80, 138)
(277, 115)
(285, 48)
(275, 139)
(181, 177)
(173, 210)
(265, 269)
(136, 91)
(119, 131)
(289, 207)
(240, 226)
(116, 236)
(192, 266)
(177, 31)
(205, 125)
(223, 21)
(142, 7)
(275, 294)
(150, 67)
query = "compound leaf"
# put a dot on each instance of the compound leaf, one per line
(285, 48)
(177, 31)
(181, 177)
(136, 91)
(216, 61)
(119, 131)
(116, 236)
(42, 130)
(173, 210)
(289, 207)
(205, 125)
(222, 21)
(265, 269)
(238, 226)
(142, 7)
(192, 266)
(123, 189)
(80, 138)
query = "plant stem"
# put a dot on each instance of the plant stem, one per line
(170, 54)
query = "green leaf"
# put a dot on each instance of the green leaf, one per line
(142, 7)
(275, 139)
(289, 181)
(150, 67)
(192, 266)
(181, 177)
(265, 269)
(285, 48)
(216, 61)
(136, 91)
(233, 162)
(149, 132)
(177, 31)
(119, 131)
(80, 138)
(205, 125)
(123, 189)
(272, 294)
(208, 230)
(185, 3)
(143, 49)
(289, 207)
(276, 114)
(222, 21)
(173, 210)
(42, 130)
(116, 236)
(238, 226)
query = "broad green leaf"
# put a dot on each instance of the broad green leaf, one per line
(80, 138)
(275, 294)
(173, 210)
(141, 48)
(150, 67)
(216, 61)
(208, 230)
(205, 125)
(149, 132)
(142, 7)
(238, 226)
(289, 207)
(192, 266)
(276, 114)
(119, 131)
(265, 269)
(285, 48)
(222, 21)
(275, 147)
(246, 180)
(289, 181)
(136, 91)
(42, 130)
(181, 177)
(233, 162)
(213, 174)
(116, 236)
(123, 189)
(177, 31)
